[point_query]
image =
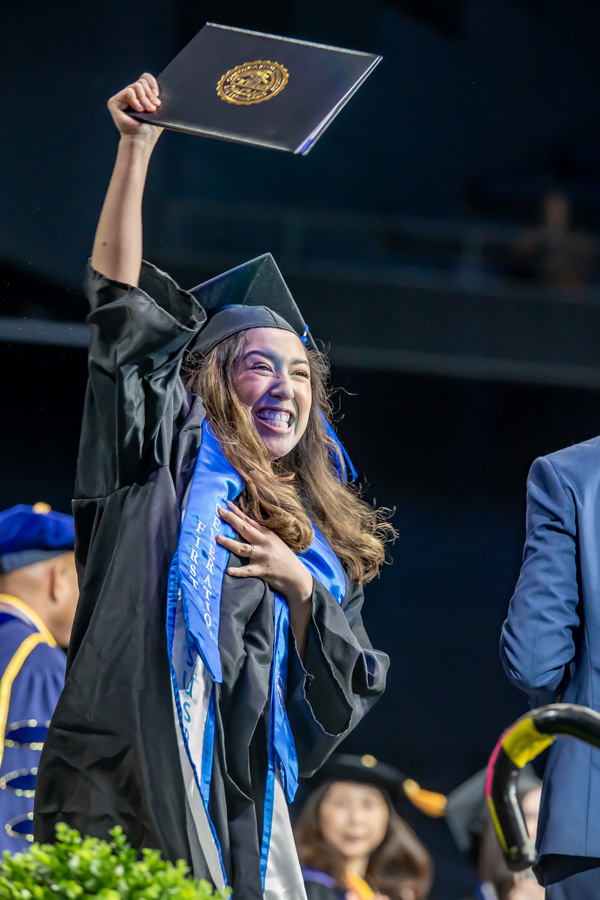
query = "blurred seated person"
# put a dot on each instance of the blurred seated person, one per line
(471, 825)
(38, 597)
(351, 842)
(554, 252)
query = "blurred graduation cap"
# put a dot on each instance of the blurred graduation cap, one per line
(255, 88)
(30, 534)
(253, 295)
(391, 781)
(467, 811)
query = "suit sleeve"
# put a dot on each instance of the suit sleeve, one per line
(134, 392)
(340, 679)
(538, 637)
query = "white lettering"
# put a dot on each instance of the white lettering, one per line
(194, 556)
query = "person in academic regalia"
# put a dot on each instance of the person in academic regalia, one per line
(470, 823)
(218, 647)
(352, 843)
(38, 596)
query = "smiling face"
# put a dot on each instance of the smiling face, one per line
(354, 819)
(272, 379)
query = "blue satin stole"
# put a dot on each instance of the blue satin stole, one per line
(196, 580)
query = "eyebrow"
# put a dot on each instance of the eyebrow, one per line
(293, 362)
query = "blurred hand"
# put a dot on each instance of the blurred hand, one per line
(142, 96)
(528, 889)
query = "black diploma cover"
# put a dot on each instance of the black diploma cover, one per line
(255, 88)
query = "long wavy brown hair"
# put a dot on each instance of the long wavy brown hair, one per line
(286, 494)
(399, 868)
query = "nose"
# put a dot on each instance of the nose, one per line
(283, 388)
(355, 813)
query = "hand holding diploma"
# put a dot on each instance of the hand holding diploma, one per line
(141, 96)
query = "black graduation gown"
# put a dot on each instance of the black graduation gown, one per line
(315, 891)
(321, 886)
(111, 755)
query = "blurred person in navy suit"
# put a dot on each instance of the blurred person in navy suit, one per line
(550, 649)
(38, 597)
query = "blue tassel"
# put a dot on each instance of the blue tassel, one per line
(340, 465)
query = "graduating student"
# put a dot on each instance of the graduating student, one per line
(352, 843)
(38, 596)
(218, 648)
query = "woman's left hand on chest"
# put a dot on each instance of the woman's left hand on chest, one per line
(268, 557)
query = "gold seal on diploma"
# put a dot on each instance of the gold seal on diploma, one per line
(252, 82)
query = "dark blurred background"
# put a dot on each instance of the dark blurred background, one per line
(442, 239)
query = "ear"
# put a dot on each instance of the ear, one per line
(64, 593)
(58, 579)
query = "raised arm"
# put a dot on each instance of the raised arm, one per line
(117, 249)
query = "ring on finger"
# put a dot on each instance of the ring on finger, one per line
(252, 550)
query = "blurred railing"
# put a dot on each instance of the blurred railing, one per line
(388, 293)
(369, 246)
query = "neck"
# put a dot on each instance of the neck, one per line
(357, 865)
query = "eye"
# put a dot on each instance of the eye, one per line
(261, 367)
(304, 373)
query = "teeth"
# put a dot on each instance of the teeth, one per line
(279, 419)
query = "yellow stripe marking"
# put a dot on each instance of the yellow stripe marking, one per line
(27, 610)
(6, 683)
(496, 822)
(524, 742)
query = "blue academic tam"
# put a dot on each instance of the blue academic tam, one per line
(29, 534)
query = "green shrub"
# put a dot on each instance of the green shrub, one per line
(81, 868)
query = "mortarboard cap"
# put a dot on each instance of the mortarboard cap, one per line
(256, 88)
(391, 781)
(253, 295)
(30, 534)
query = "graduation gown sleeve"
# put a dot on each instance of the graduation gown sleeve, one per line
(111, 755)
(134, 391)
(338, 681)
